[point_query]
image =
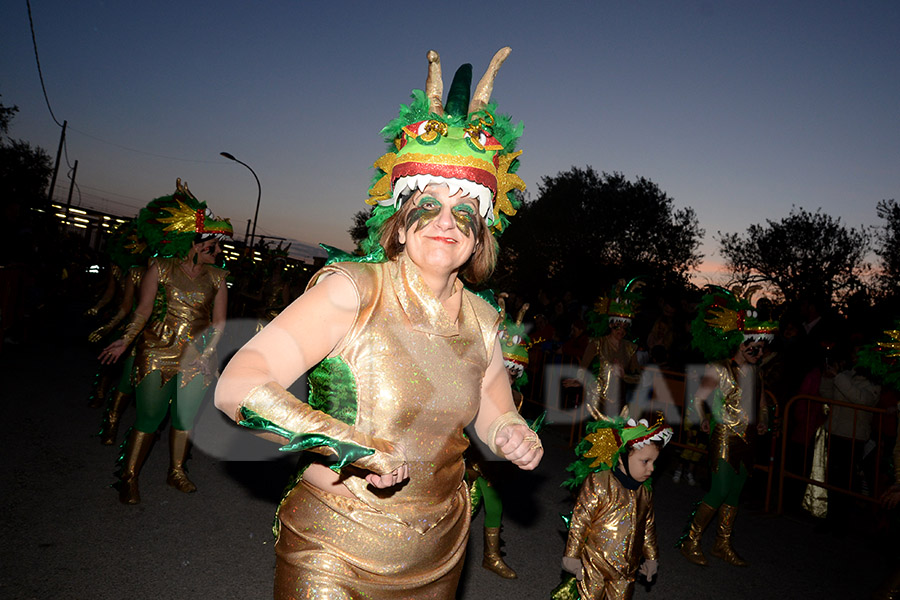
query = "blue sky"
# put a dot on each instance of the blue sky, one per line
(739, 110)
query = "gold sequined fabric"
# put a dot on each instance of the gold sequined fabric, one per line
(608, 386)
(170, 345)
(731, 438)
(418, 375)
(335, 548)
(612, 530)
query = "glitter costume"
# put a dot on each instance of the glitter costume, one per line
(610, 357)
(402, 346)
(730, 400)
(402, 369)
(174, 352)
(170, 339)
(612, 528)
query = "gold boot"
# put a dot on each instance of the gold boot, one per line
(723, 548)
(110, 429)
(691, 548)
(136, 450)
(493, 561)
(178, 449)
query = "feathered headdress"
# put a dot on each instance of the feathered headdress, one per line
(606, 440)
(514, 343)
(171, 224)
(463, 143)
(725, 319)
(125, 246)
(618, 306)
(882, 358)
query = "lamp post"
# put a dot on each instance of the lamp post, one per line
(258, 194)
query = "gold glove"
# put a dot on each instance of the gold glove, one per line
(509, 418)
(99, 333)
(273, 408)
(134, 327)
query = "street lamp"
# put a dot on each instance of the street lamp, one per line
(258, 194)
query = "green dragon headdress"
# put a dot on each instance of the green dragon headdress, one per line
(514, 343)
(725, 319)
(608, 438)
(125, 246)
(464, 144)
(171, 224)
(883, 357)
(619, 306)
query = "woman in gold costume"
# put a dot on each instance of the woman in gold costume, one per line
(731, 407)
(405, 357)
(183, 298)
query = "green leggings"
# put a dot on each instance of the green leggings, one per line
(493, 508)
(726, 485)
(153, 400)
(125, 386)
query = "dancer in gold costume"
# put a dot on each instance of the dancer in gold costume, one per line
(128, 250)
(729, 400)
(184, 299)
(610, 359)
(405, 357)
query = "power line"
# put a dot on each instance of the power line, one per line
(38, 61)
(190, 160)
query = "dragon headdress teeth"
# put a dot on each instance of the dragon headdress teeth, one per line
(462, 143)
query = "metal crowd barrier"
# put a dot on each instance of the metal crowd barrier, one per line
(877, 427)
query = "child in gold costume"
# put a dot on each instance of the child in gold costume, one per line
(403, 358)
(612, 532)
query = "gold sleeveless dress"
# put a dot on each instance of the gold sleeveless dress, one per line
(417, 375)
(182, 315)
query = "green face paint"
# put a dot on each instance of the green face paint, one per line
(426, 211)
(429, 208)
(465, 218)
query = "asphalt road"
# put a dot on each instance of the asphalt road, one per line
(66, 535)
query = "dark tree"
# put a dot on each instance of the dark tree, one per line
(24, 170)
(358, 232)
(804, 255)
(586, 230)
(888, 248)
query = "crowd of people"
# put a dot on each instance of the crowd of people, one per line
(402, 356)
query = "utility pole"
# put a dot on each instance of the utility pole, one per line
(71, 187)
(62, 139)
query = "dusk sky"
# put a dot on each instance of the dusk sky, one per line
(737, 109)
